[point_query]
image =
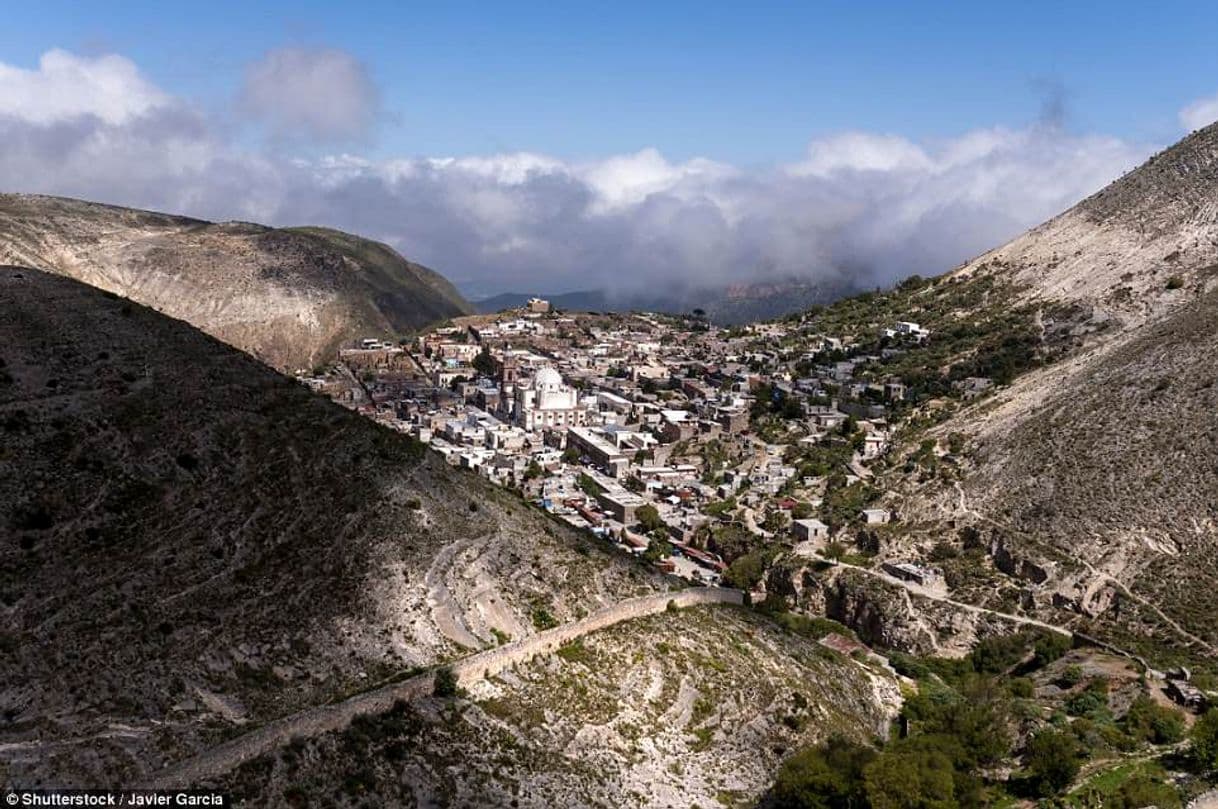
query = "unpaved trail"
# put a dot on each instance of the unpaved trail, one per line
(934, 595)
(444, 609)
(1192, 639)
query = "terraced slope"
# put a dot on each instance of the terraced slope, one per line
(679, 709)
(287, 296)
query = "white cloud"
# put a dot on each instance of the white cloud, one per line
(318, 94)
(861, 207)
(1201, 113)
(66, 87)
(860, 151)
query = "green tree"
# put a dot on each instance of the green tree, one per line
(484, 363)
(648, 517)
(826, 777)
(1150, 722)
(1050, 646)
(1203, 742)
(746, 572)
(588, 485)
(908, 776)
(445, 682)
(657, 549)
(1054, 759)
(533, 471)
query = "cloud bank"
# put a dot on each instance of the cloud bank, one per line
(862, 207)
(321, 94)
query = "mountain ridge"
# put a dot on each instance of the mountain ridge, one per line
(290, 296)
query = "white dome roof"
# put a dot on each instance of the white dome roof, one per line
(547, 378)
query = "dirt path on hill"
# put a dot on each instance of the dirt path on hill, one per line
(1192, 639)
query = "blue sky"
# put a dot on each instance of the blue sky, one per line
(561, 146)
(743, 82)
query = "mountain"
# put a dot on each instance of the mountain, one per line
(726, 305)
(1089, 481)
(193, 543)
(289, 296)
(209, 573)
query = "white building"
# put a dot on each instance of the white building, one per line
(546, 401)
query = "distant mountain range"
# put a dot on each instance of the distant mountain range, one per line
(289, 296)
(726, 305)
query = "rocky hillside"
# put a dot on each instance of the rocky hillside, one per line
(1089, 482)
(1128, 247)
(287, 296)
(690, 708)
(191, 544)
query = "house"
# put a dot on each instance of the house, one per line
(876, 516)
(539, 305)
(810, 530)
(1185, 694)
(915, 573)
(907, 328)
(973, 386)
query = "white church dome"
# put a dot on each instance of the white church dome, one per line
(547, 379)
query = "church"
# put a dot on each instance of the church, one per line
(546, 401)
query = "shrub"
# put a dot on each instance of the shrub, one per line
(908, 775)
(1203, 747)
(1072, 676)
(1175, 282)
(446, 682)
(1050, 647)
(1150, 722)
(1054, 759)
(829, 776)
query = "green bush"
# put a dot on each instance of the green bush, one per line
(1150, 722)
(1054, 760)
(826, 777)
(446, 682)
(1203, 742)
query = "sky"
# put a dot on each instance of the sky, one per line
(551, 147)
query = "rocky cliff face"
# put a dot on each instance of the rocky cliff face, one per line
(288, 296)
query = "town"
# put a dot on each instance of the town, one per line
(705, 451)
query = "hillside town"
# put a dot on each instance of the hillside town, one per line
(689, 445)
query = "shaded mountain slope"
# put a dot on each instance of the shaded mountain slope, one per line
(190, 543)
(287, 296)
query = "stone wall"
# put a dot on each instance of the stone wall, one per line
(329, 718)
(490, 663)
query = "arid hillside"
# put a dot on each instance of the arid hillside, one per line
(287, 296)
(191, 544)
(1128, 248)
(691, 708)
(1090, 481)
